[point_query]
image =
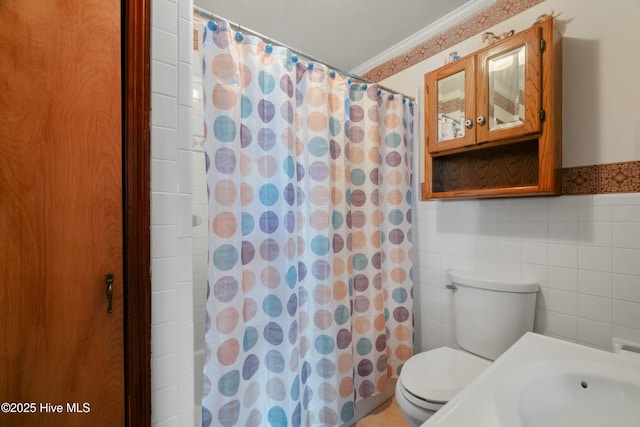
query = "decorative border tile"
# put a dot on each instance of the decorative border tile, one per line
(619, 177)
(488, 17)
(195, 39)
(580, 180)
(607, 178)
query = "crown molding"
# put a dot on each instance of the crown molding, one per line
(469, 9)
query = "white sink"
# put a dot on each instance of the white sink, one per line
(569, 393)
(546, 382)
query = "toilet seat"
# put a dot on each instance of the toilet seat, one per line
(433, 377)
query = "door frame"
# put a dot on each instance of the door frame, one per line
(136, 151)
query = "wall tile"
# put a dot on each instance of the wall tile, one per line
(563, 255)
(185, 32)
(164, 209)
(163, 241)
(165, 111)
(626, 314)
(626, 287)
(627, 234)
(598, 233)
(189, 418)
(185, 172)
(562, 302)
(594, 333)
(184, 254)
(184, 303)
(199, 330)
(595, 283)
(163, 16)
(617, 200)
(164, 176)
(164, 307)
(510, 229)
(165, 339)
(534, 252)
(171, 173)
(590, 287)
(164, 403)
(596, 212)
(535, 230)
(165, 371)
(185, 124)
(565, 279)
(595, 258)
(185, 353)
(487, 248)
(185, 91)
(561, 210)
(563, 231)
(185, 391)
(625, 261)
(628, 334)
(626, 213)
(509, 250)
(164, 273)
(595, 308)
(170, 422)
(164, 79)
(185, 216)
(164, 46)
(185, 10)
(562, 325)
(164, 143)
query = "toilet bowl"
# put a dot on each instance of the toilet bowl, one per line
(490, 314)
(430, 379)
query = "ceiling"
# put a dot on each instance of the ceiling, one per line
(343, 34)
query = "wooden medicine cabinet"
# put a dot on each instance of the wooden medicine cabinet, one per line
(493, 120)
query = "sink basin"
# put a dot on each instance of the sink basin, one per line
(569, 393)
(547, 382)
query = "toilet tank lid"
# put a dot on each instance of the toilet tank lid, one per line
(493, 281)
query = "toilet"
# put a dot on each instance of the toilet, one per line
(490, 313)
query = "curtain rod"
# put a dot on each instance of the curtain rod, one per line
(206, 14)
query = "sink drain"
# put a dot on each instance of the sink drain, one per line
(584, 384)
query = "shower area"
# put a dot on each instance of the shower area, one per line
(359, 330)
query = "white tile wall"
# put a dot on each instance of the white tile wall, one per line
(172, 357)
(583, 250)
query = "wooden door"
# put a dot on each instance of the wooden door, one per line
(61, 351)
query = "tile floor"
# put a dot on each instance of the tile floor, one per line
(386, 415)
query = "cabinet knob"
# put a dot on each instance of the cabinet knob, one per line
(468, 123)
(481, 120)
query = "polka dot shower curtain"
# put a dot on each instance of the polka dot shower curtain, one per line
(310, 290)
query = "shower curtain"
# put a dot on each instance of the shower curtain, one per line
(309, 283)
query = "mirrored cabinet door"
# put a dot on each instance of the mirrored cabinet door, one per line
(509, 83)
(451, 106)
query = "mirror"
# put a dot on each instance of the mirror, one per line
(506, 89)
(451, 112)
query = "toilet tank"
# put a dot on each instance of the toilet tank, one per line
(491, 312)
